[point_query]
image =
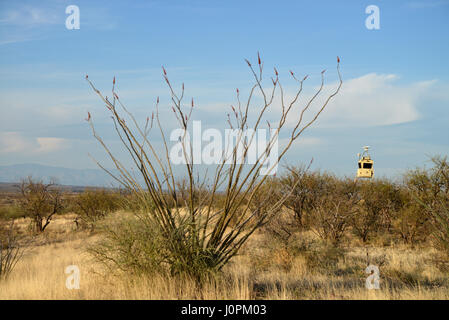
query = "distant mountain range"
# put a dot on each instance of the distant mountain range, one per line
(64, 176)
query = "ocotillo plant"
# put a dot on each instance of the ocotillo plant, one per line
(206, 219)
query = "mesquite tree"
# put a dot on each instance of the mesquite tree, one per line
(217, 213)
(430, 189)
(40, 201)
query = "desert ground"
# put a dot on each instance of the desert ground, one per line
(265, 269)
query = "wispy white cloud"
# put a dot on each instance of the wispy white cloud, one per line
(14, 142)
(13, 40)
(376, 99)
(30, 109)
(21, 23)
(29, 16)
(25, 22)
(371, 100)
(50, 144)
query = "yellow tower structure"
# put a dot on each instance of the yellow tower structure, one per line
(365, 169)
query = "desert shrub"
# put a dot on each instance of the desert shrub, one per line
(281, 228)
(128, 201)
(378, 202)
(430, 189)
(40, 202)
(333, 210)
(430, 185)
(305, 188)
(410, 221)
(198, 234)
(130, 245)
(93, 205)
(282, 225)
(9, 212)
(440, 223)
(10, 250)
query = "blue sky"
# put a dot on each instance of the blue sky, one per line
(395, 95)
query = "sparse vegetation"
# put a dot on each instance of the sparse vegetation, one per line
(10, 250)
(324, 256)
(40, 201)
(10, 212)
(235, 234)
(332, 212)
(265, 269)
(198, 231)
(93, 205)
(431, 190)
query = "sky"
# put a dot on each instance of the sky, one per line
(394, 98)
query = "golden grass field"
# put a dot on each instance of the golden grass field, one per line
(263, 270)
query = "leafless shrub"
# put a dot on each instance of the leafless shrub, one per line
(199, 235)
(411, 222)
(10, 250)
(333, 211)
(40, 201)
(304, 188)
(431, 190)
(283, 225)
(379, 200)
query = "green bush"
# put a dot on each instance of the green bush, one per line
(93, 205)
(130, 245)
(11, 212)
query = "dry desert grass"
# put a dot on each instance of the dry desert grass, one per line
(264, 270)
